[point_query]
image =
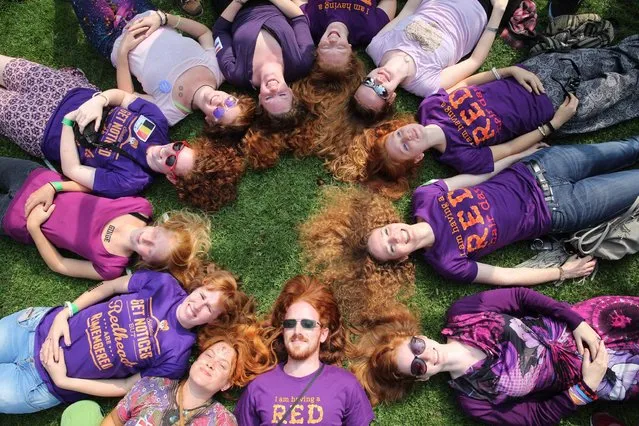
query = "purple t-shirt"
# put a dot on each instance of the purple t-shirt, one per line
(133, 129)
(476, 117)
(77, 222)
(135, 332)
(235, 43)
(335, 398)
(362, 18)
(469, 223)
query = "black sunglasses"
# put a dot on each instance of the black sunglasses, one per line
(417, 346)
(380, 90)
(308, 324)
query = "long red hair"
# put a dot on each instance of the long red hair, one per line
(321, 298)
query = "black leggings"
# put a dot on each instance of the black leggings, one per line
(13, 174)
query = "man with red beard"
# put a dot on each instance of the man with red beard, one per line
(305, 388)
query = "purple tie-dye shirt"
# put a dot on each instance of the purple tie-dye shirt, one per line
(531, 358)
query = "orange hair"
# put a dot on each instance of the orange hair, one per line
(236, 129)
(192, 242)
(333, 242)
(321, 298)
(373, 356)
(213, 181)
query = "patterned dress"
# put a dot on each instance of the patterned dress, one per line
(532, 359)
(151, 402)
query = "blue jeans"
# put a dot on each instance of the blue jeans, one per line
(22, 390)
(587, 189)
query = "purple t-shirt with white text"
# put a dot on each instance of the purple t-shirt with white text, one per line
(135, 332)
(475, 117)
(77, 222)
(334, 398)
(469, 223)
(362, 18)
(133, 129)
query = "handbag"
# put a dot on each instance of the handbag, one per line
(610, 240)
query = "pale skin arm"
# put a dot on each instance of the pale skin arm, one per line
(112, 419)
(46, 193)
(452, 75)
(232, 9)
(389, 7)
(87, 112)
(98, 387)
(466, 180)
(300, 2)
(564, 113)
(50, 255)
(200, 32)
(409, 8)
(527, 79)
(288, 8)
(496, 275)
(60, 326)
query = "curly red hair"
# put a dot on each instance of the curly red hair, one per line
(212, 183)
(321, 298)
(214, 129)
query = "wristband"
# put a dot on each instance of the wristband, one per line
(496, 74)
(550, 126)
(106, 103)
(166, 18)
(562, 273)
(67, 122)
(72, 307)
(57, 186)
(177, 24)
(160, 16)
(492, 29)
(541, 130)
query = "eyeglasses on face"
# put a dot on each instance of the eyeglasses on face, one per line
(219, 111)
(307, 324)
(380, 90)
(417, 346)
(171, 160)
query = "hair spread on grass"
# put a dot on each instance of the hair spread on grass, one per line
(237, 326)
(333, 242)
(308, 289)
(362, 158)
(238, 128)
(190, 244)
(212, 183)
(372, 357)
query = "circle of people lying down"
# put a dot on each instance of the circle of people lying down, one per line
(131, 336)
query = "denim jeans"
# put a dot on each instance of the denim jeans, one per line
(22, 390)
(587, 189)
(13, 173)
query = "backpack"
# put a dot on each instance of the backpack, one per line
(610, 240)
(521, 25)
(568, 32)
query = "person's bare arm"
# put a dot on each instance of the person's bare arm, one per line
(453, 74)
(409, 8)
(389, 7)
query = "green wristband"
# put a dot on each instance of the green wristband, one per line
(57, 186)
(72, 307)
(67, 122)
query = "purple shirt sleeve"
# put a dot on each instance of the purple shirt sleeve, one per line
(244, 410)
(516, 301)
(118, 183)
(224, 52)
(528, 412)
(359, 411)
(304, 43)
(151, 111)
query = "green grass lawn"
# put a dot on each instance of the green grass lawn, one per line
(256, 237)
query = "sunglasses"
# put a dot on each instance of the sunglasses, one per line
(171, 160)
(417, 346)
(219, 111)
(307, 324)
(380, 90)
